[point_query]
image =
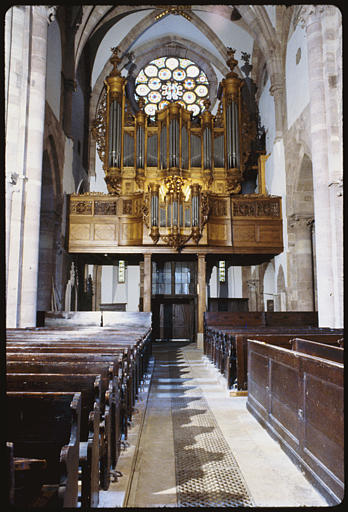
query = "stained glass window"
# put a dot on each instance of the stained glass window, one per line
(169, 79)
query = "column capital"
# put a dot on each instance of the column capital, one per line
(309, 14)
(300, 221)
(51, 13)
(252, 284)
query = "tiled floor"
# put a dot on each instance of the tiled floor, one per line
(193, 445)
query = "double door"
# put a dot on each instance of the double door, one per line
(174, 300)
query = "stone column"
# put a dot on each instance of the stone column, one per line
(277, 91)
(312, 16)
(301, 286)
(253, 295)
(147, 283)
(201, 292)
(24, 147)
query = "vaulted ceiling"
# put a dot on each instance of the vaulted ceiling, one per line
(199, 32)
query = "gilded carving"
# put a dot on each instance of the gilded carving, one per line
(256, 208)
(127, 207)
(99, 126)
(81, 207)
(104, 208)
(218, 207)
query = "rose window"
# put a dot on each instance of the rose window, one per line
(170, 79)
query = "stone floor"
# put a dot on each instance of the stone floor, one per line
(191, 444)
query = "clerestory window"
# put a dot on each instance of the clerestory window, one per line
(169, 79)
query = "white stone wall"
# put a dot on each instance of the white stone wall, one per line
(54, 67)
(297, 89)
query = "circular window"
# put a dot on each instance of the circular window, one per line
(169, 79)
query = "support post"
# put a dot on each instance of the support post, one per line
(201, 293)
(147, 283)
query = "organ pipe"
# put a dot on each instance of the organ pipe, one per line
(174, 152)
(115, 134)
(140, 147)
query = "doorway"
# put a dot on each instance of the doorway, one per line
(174, 300)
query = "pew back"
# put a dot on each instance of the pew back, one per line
(290, 393)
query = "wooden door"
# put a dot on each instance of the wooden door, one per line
(183, 320)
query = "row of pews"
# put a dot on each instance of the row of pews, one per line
(293, 373)
(71, 394)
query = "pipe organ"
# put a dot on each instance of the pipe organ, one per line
(175, 180)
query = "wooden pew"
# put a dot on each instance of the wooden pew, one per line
(121, 356)
(139, 345)
(126, 357)
(107, 381)
(298, 399)
(10, 475)
(45, 431)
(119, 404)
(323, 350)
(236, 367)
(90, 388)
(227, 348)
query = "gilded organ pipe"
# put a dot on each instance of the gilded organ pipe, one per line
(177, 161)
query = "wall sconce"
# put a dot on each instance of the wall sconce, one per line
(121, 271)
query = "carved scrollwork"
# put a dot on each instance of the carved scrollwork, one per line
(256, 208)
(104, 208)
(176, 239)
(81, 207)
(233, 179)
(99, 127)
(113, 181)
(146, 210)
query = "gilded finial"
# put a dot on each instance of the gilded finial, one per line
(115, 60)
(231, 62)
(207, 103)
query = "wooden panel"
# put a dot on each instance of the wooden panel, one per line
(268, 233)
(304, 412)
(131, 232)
(257, 233)
(218, 233)
(104, 232)
(323, 440)
(284, 403)
(258, 382)
(79, 231)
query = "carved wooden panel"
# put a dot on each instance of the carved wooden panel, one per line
(257, 233)
(104, 232)
(219, 233)
(131, 232)
(256, 207)
(81, 207)
(79, 232)
(105, 208)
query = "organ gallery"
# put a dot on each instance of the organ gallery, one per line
(175, 180)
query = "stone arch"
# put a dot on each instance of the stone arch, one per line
(50, 220)
(269, 291)
(301, 255)
(303, 194)
(281, 303)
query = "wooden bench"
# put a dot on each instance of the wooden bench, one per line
(138, 343)
(235, 364)
(332, 352)
(45, 431)
(90, 388)
(108, 409)
(127, 358)
(119, 398)
(298, 398)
